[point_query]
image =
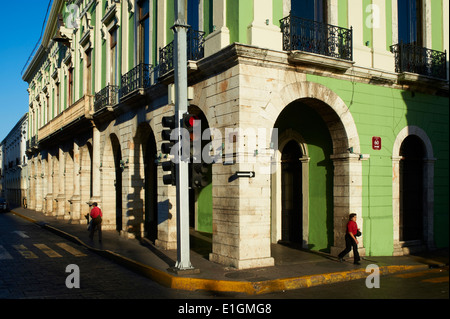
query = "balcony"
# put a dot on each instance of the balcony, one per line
(107, 97)
(410, 58)
(136, 79)
(71, 119)
(195, 51)
(317, 43)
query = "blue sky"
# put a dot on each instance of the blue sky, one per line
(20, 25)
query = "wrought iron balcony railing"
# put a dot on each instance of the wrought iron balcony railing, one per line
(415, 59)
(316, 37)
(138, 77)
(108, 96)
(195, 51)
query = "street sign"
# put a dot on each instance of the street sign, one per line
(376, 143)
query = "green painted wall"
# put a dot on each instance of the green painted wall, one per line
(170, 16)
(383, 112)
(343, 13)
(205, 207)
(437, 25)
(367, 30)
(239, 17)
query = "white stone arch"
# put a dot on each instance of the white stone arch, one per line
(347, 175)
(400, 248)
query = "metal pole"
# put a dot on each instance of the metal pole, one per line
(181, 106)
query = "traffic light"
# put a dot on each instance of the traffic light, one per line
(199, 175)
(192, 124)
(168, 122)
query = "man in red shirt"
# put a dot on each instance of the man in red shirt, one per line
(350, 240)
(96, 215)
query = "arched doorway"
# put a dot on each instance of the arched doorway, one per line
(412, 154)
(117, 180)
(151, 188)
(302, 184)
(291, 193)
(412, 173)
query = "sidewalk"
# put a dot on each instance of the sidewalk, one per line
(293, 268)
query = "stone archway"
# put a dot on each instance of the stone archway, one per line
(401, 248)
(347, 172)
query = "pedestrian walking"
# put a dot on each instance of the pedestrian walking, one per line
(350, 240)
(96, 223)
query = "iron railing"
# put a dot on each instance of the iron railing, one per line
(316, 37)
(415, 59)
(108, 96)
(138, 77)
(195, 51)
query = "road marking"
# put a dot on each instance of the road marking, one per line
(25, 252)
(4, 254)
(21, 234)
(71, 250)
(46, 250)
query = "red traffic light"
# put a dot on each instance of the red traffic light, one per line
(189, 119)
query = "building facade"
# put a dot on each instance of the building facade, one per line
(332, 107)
(13, 159)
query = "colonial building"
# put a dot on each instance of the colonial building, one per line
(328, 107)
(13, 173)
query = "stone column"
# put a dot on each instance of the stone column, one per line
(76, 198)
(242, 205)
(347, 190)
(95, 165)
(61, 198)
(49, 196)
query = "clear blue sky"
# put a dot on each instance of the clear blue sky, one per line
(20, 25)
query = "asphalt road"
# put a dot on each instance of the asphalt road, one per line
(34, 264)
(37, 264)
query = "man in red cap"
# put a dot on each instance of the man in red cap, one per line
(96, 215)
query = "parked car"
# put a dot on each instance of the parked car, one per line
(3, 205)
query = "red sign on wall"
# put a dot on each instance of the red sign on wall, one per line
(376, 143)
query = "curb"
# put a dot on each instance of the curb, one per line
(249, 288)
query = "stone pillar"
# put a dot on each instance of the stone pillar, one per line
(39, 182)
(76, 198)
(49, 196)
(347, 190)
(61, 198)
(95, 165)
(241, 205)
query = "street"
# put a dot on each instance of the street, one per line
(37, 264)
(33, 265)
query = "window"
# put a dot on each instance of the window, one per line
(144, 32)
(410, 22)
(114, 57)
(70, 88)
(88, 72)
(310, 9)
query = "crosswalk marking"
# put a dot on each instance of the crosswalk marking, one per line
(46, 250)
(25, 252)
(70, 249)
(4, 253)
(28, 254)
